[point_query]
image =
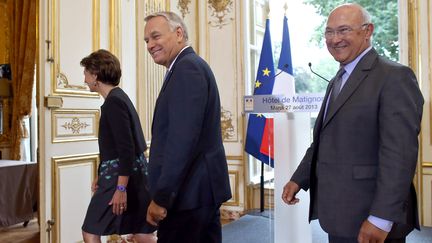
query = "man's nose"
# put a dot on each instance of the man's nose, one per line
(150, 45)
(335, 39)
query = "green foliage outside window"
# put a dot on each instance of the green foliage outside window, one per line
(384, 15)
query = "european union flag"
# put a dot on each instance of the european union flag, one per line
(257, 135)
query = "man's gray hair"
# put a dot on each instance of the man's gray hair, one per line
(174, 21)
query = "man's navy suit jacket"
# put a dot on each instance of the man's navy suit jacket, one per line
(187, 167)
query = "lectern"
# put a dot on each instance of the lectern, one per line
(292, 136)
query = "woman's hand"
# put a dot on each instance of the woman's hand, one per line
(94, 185)
(119, 202)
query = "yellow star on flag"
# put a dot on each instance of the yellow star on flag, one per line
(257, 84)
(259, 115)
(266, 72)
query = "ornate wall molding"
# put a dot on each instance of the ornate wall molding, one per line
(419, 49)
(227, 125)
(234, 184)
(65, 80)
(65, 170)
(219, 10)
(74, 125)
(183, 6)
(115, 28)
(63, 83)
(150, 74)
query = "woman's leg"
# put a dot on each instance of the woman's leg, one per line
(91, 238)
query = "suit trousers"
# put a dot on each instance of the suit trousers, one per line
(201, 225)
(336, 239)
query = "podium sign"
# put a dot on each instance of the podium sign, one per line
(309, 102)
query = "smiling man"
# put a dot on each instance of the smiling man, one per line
(360, 166)
(188, 172)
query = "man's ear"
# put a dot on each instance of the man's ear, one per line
(179, 33)
(370, 29)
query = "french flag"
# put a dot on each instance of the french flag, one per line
(284, 81)
(259, 135)
(260, 131)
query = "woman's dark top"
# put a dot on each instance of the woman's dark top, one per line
(121, 147)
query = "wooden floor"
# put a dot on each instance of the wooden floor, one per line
(20, 234)
(30, 234)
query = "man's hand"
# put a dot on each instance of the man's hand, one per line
(370, 233)
(289, 192)
(155, 213)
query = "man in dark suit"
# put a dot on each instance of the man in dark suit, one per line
(188, 173)
(361, 163)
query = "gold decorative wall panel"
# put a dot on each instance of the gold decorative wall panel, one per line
(150, 75)
(71, 175)
(427, 196)
(183, 6)
(115, 28)
(429, 69)
(219, 12)
(74, 125)
(424, 18)
(234, 184)
(221, 31)
(189, 10)
(420, 60)
(223, 52)
(67, 77)
(227, 125)
(254, 197)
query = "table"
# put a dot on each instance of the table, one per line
(18, 191)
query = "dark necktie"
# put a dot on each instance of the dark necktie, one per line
(337, 84)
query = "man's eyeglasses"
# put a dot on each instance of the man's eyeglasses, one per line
(341, 31)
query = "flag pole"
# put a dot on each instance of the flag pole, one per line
(262, 188)
(262, 163)
(257, 123)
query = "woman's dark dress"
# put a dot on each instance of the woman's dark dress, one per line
(121, 147)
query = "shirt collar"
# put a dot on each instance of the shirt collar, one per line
(350, 66)
(169, 69)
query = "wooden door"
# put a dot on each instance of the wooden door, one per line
(68, 116)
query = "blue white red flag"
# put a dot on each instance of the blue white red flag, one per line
(260, 131)
(259, 136)
(284, 81)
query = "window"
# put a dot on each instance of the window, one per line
(257, 20)
(306, 21)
